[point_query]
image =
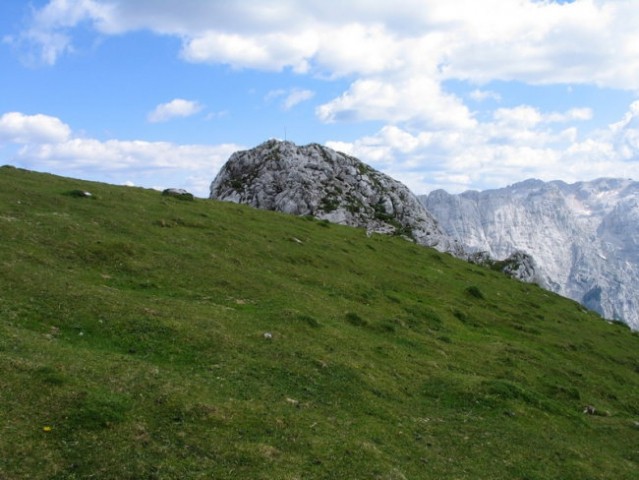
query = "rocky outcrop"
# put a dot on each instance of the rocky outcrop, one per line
(518, 265)
(179, 193)
(584, 237)
(318, 181)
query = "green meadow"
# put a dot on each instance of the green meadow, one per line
(148, 337)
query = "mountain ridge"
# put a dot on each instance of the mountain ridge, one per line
(582, 235)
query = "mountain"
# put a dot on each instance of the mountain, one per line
(584, 237)
(147, 337)
(318, 181)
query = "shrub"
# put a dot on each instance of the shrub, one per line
(355, 319)
(310, 321)
(474, 291)
(329, 204)
(459, 315)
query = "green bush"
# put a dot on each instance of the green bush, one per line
(474, 291)
(354, 319)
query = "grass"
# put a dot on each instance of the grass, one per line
(132, 346)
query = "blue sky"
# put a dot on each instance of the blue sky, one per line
(454, 94)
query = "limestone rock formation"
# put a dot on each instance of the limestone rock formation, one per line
(583, 237)
(318, 181)
(177, 193)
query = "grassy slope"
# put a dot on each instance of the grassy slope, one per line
(132, 325)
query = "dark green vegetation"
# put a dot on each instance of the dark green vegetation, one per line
(132, 346)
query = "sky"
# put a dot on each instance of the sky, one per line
(452, 94)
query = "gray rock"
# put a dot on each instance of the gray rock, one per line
(177, 193)
(80, 194)
(318, 181)
(518, 265)
(584, 237)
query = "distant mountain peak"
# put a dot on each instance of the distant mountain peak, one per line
(583, 237)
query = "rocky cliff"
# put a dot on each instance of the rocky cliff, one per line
(318, 181)
(583, 237)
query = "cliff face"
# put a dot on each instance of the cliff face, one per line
(318, 181)
(584, 237)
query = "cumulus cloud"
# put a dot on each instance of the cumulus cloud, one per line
(46, 143)
(49, 34)
(140, 162)
(522, 116)
(401, 100)
(574, 114)
(527, 125)
(625, 134)
(291, 97)
(398, 54)
(576, 42)
(483, 95)
(395, 59)
(296, 96)
(273, 94)
(122, 155)
(16, 127)
(174, 109)
(360, 49)
(272, 51)
(515, 144)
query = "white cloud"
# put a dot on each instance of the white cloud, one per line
(483, 95)
(16, 127)
(398, 54)
(174, 109)
(625, 134)
(586, 41)
(365, 100)
(517, 143)
(273, 94)
(358, 49)
(395, 58)
(272, 51)
(574, 114)
(542, 42)
(216, 115)
(47, 143)
(112, 155)
(414, 99)
(48, 36)
(528, 116)
(296, 96)
(143, 163)
(291, 97)
(523, 116)
(526, 125)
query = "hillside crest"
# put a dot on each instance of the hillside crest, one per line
(143, 336)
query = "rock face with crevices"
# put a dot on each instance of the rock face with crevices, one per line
(318, 181)
(583, 237)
